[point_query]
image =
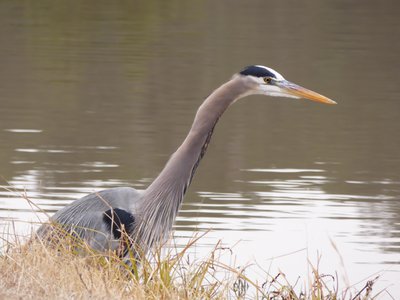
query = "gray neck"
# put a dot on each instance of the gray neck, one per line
(162, 199)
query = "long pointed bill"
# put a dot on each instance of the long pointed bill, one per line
(298, 91)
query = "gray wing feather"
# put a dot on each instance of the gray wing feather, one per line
(85, 216)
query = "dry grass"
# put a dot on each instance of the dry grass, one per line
(37, 271)
(34, 271)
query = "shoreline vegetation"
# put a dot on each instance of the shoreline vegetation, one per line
(34, 270)
(67, 268)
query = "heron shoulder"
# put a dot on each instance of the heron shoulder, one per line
(97, 203)
(126, 198)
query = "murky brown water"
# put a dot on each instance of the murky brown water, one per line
(99, 94)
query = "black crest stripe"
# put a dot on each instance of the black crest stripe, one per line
(257, 72)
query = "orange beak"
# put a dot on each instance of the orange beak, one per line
(300, 92)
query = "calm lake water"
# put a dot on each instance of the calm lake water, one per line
(98, 94)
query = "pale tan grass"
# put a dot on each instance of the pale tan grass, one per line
(37, 271)
(68, 269)
(34, 272)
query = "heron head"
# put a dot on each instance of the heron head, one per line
(269, 82)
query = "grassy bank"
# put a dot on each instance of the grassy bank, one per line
(37, 272)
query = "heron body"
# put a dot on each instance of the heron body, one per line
(148, 216)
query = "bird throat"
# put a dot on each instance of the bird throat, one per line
(202, 153)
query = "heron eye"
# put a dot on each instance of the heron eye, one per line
(267, 79)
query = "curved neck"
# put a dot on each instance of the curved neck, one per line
(181, 166)
(161, 200)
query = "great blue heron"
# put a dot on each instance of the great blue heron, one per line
(148, 216)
